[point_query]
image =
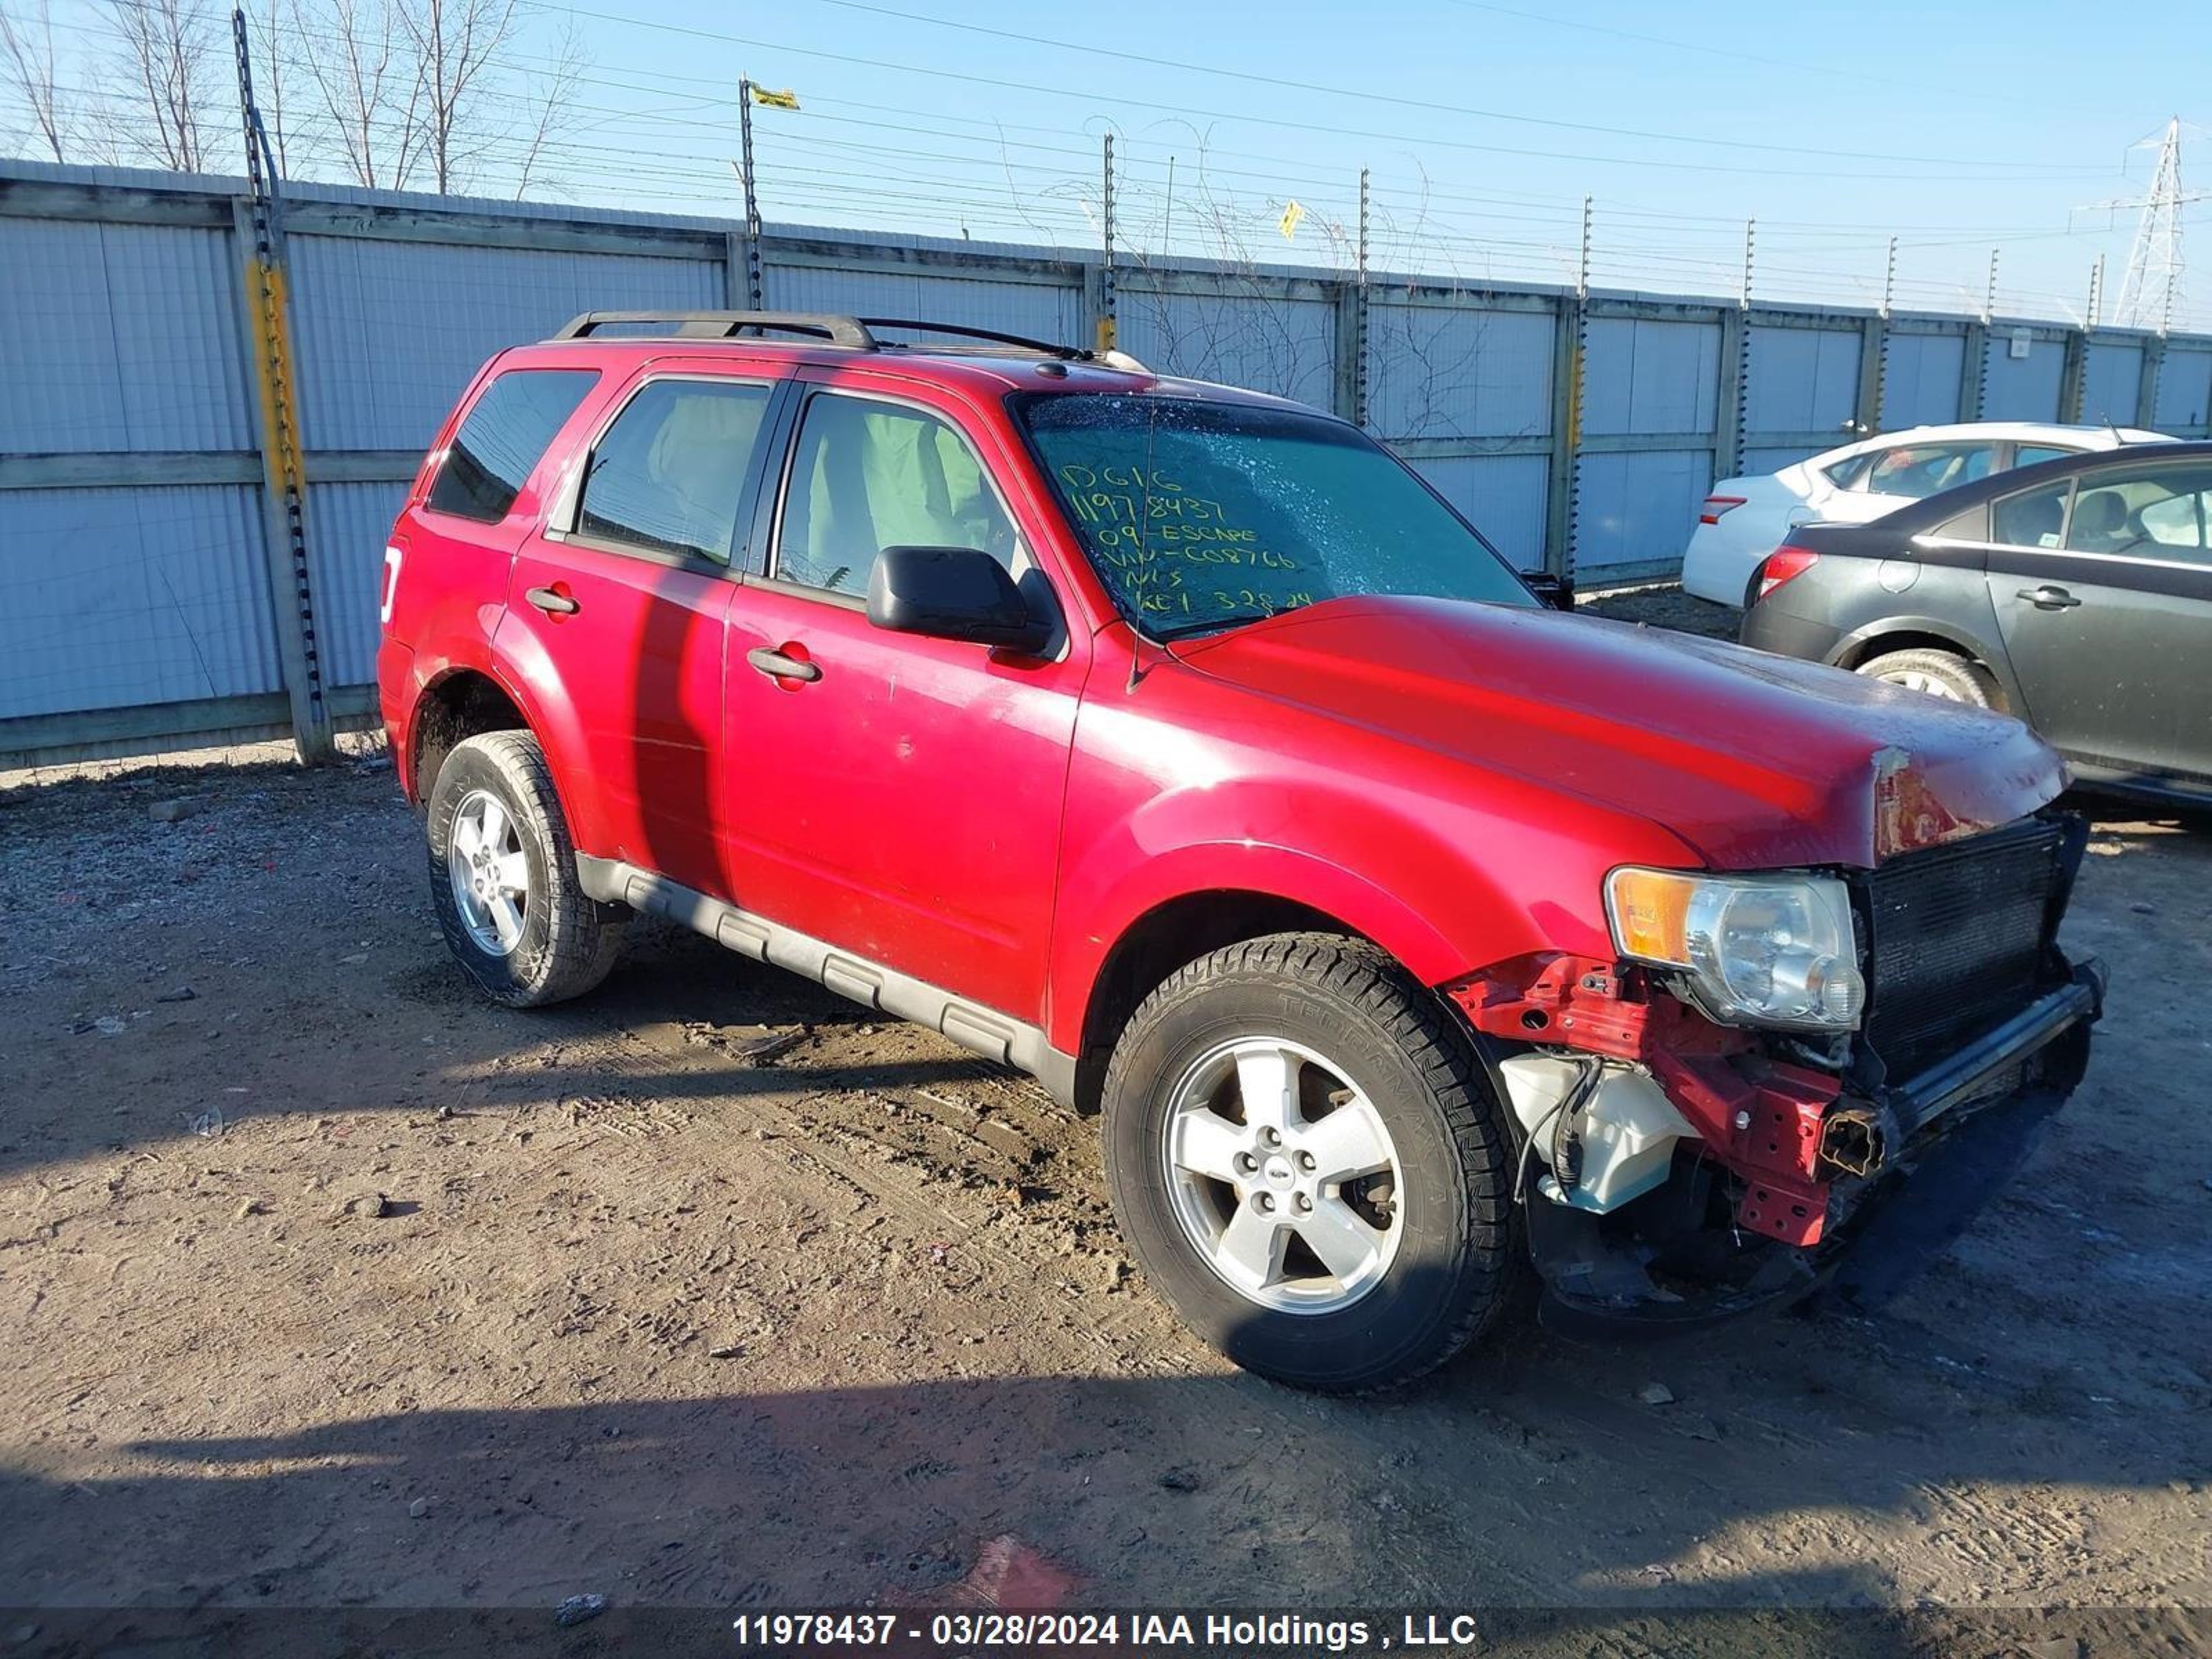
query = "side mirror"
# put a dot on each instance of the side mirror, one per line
(954, 593)
(1554, 593)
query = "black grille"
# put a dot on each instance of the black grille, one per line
(1956, 939)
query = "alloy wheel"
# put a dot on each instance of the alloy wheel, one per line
(488, 872)
(1915, 679)
(1283, 1176)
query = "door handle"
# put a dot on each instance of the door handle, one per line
(553, 602)
(2048, 598)
(774, 664)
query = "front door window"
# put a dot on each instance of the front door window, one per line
(871, 475)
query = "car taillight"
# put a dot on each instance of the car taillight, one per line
(1785, 564)
(1718, 507)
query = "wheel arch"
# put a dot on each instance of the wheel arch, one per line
(1862, 645)
(510, 684)
(1178, 906)
(1173, 933)
(462, 701)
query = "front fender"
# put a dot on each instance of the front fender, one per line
(1399, 877)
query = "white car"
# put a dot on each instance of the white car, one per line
(1744, 519)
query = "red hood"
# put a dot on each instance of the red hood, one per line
(1756, 761)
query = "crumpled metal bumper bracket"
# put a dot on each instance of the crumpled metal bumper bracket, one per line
(1938, 1178)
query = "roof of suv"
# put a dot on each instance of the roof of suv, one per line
(992, 364)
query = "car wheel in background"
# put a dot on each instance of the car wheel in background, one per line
(1307, 1162)
(1936, 673)
(503, 876)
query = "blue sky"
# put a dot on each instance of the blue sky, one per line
(1959, 128)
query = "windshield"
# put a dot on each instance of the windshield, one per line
(1199, 515)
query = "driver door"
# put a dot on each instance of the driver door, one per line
(895, 796)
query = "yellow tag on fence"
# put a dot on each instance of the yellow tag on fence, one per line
(1291, 215)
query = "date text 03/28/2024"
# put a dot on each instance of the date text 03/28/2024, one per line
(1000, 1629)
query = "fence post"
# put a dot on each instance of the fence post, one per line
(737, 259)
(1873, 360)
(284, 492)
(1728, 438)
(1569, 318)
(1106, 306)
(2074, 375)
(257, 229)
(1344, 398)
(2153, 360)
(1351, 362)
(1096, 287)
(1974, 372)
(755, 291)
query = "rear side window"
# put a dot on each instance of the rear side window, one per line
(1971, 526)
(1916, 472)
(1848, 472)
(2034, 518)
(668, 475)
(502, 439)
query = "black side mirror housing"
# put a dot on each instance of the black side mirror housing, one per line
(1554, 592)
(954, 593)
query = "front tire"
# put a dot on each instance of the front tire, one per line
(1306, 1162)
(503, 876)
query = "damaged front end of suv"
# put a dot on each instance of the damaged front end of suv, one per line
(1724, 1116)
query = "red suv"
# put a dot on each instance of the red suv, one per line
(1180, 746)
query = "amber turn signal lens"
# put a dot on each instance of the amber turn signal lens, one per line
(1651, 913)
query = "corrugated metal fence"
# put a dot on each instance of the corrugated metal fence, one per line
(136, 598)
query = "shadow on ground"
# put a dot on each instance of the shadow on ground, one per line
(685, 1512)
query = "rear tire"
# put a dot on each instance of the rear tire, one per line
(1938, 673)
(1361, 1239)
(503, 876)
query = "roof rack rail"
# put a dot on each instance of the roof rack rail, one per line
(1109, 359)
(848, 331)
(1069, 354)
(852, 333)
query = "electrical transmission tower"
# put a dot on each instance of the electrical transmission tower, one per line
(2152, 290)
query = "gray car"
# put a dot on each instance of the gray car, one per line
(2075, 593)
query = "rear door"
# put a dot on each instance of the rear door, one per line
(625, 590)
(2102, 587)
(458, 531)
(896, 796)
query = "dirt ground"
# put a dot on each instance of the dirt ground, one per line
(329, 1284)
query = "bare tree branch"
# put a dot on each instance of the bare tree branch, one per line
(26, 70)
(272, 55)
(165, 73)
(456, 44)
(549, 100)
(366, 83)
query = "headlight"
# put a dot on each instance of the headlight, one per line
(1759, 949)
